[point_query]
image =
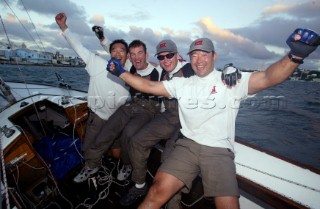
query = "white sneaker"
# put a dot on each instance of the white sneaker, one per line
(84, 174)
(124, 172)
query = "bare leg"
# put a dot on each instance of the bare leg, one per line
(162, 189)
(227, 202)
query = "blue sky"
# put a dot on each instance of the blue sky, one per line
(250, 34)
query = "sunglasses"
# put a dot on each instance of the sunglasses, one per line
(168, 56)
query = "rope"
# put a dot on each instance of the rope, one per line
(22, 24)
(50, 175)
(5, 31)
(33, 26)
(24, 80)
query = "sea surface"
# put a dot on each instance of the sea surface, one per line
(284, 119)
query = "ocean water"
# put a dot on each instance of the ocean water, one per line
(284, 119)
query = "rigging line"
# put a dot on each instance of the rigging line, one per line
(50, 175)
(5, 183)
(33, 26)
(40, 38)
(22, 24)
(5, 31)
(68, 91)
(22, 72)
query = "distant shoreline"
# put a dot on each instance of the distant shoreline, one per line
(37, 64)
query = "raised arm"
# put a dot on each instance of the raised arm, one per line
(99, 33)
(273, 75)
(302, 42)
(144, 85)
(61, 20)
(74, 43)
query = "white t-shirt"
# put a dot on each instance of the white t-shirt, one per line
(207, 108)
(106, 92)
(147, 71)
(177, 68)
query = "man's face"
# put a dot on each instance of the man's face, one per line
(168, 60)
(138, 57)
(202, 62)
(118, 51)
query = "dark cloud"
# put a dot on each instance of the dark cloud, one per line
(274, 27)
(23, 27)
(51, 8)
(308, 10)
(247, 46)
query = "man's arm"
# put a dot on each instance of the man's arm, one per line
(302, 42)
(99, 33)
(273, 75)
(74, 43)
(61, 20)
(139, 83)
(145, 85)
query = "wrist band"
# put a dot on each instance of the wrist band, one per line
(295, 60)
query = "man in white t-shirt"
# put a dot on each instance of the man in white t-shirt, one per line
(105, 94)
(207, 112)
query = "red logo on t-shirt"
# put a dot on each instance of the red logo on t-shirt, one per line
(198, 43)
(213, 91)
(163, 44)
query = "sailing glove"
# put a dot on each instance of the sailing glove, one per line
(230, 75)
(304, 46)
(118, 69)
(98, 31)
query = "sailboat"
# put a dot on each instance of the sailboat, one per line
(35, 113)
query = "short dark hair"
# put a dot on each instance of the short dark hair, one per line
(137, 43)
(119, 41)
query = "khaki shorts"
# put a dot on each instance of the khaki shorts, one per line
(215, 165)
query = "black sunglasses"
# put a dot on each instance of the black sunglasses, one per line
(168, 56)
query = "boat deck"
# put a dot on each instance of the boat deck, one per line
(44, 115)
(109, 190)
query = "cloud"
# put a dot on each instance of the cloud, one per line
(253, 46)
(231, 45)
(276, 9)
(137, 16)
(97, 20)
(51, 8)
(307, 10)
(278, 22)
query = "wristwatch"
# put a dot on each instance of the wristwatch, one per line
(295, 60)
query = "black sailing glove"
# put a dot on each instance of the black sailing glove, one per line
(230, 75)
(303, 42)
(98, 31)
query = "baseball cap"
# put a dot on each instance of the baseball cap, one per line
(166, 46)
(203, 44)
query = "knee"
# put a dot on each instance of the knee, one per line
(135, 143)
(156, 190)
(227, 202)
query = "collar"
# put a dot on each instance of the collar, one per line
(146, 71)
(177, 68)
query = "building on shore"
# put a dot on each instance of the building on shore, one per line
(33, 57)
